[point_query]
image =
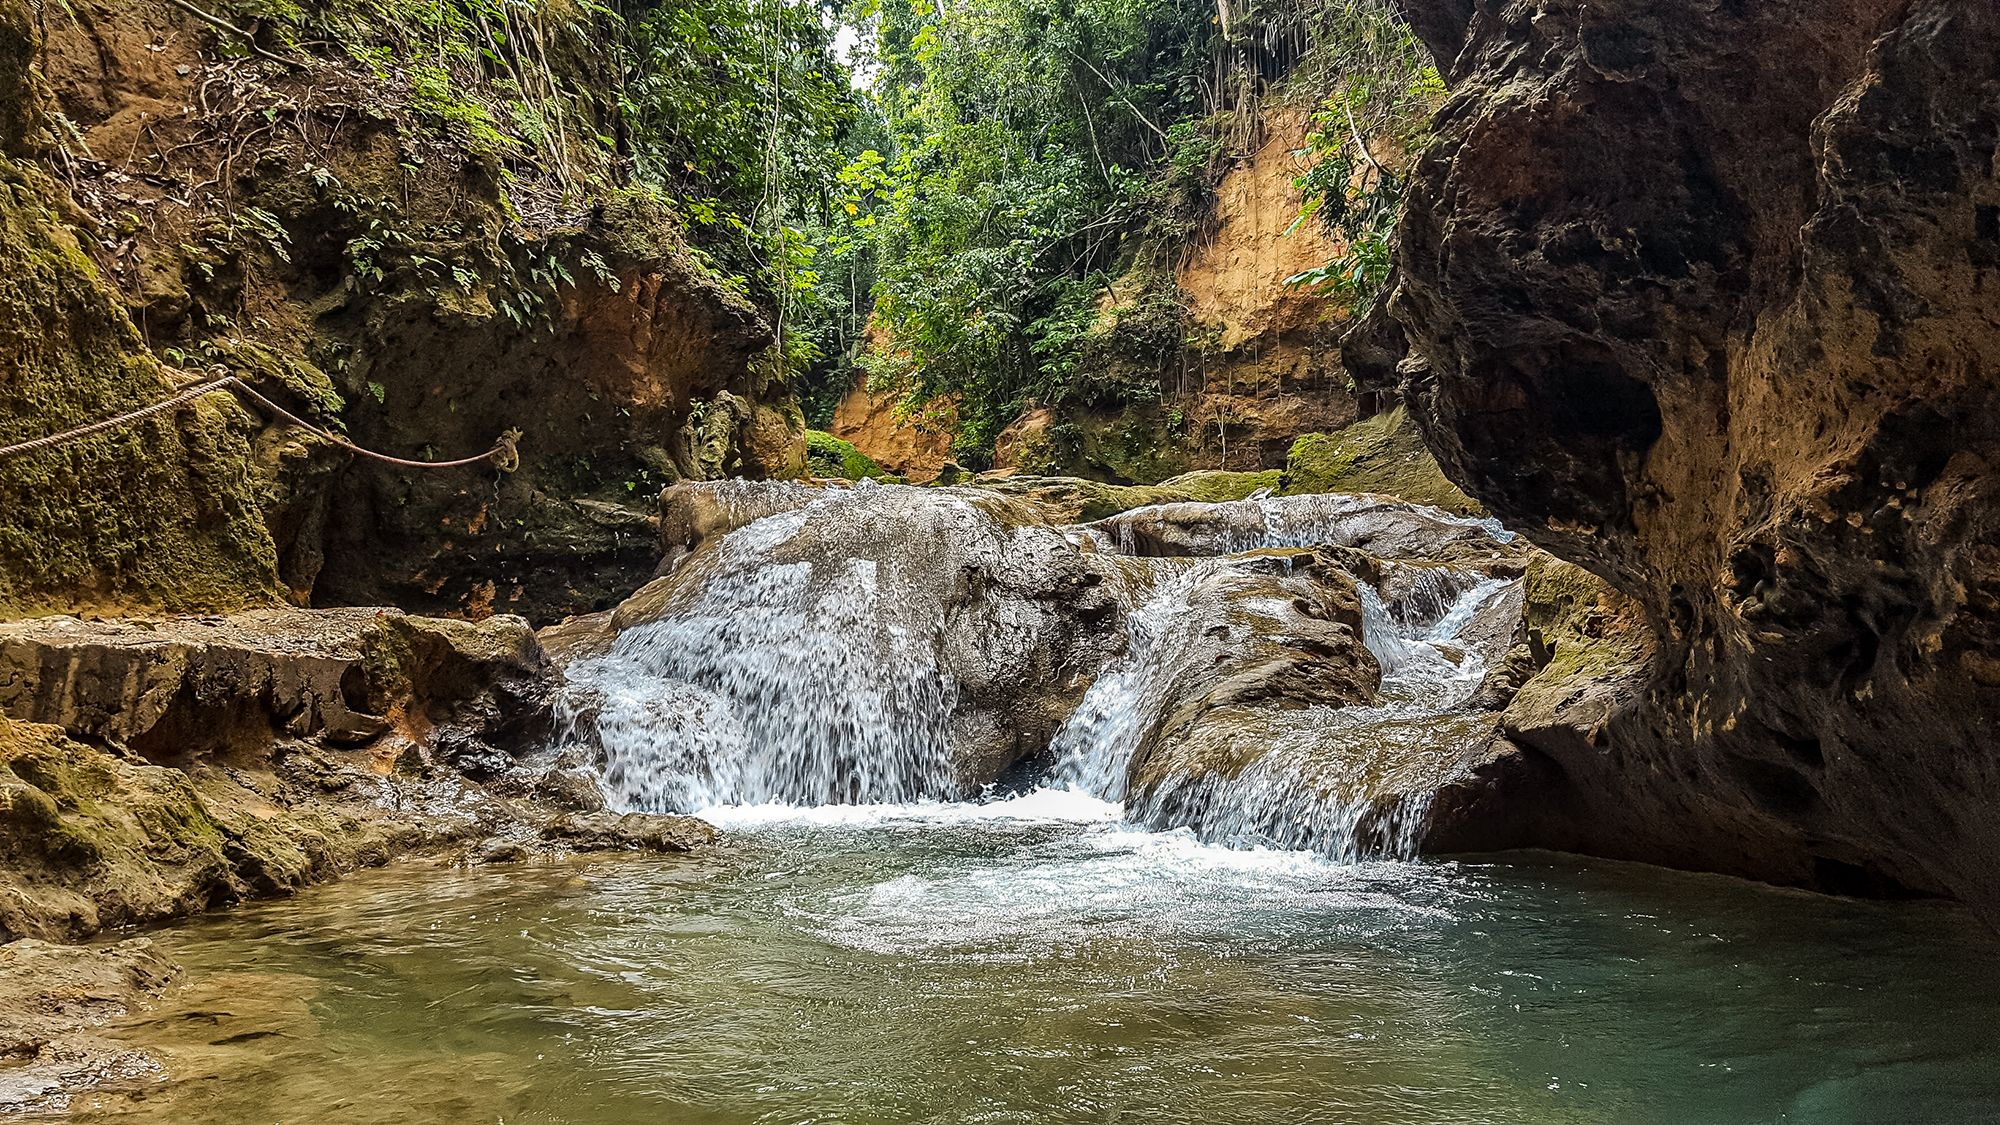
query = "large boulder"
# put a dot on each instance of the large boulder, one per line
(1700, 297)
(1291, 703)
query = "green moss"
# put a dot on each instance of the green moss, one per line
(1591, 632)
(266, 365)
(829, 456)
(1217, 486)
(1382, 454)
(163, 512)
(1138, 444)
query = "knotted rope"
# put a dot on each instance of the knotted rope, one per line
(505, 454)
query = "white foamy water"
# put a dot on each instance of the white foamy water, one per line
(804, 687)
(1351, 782)
(1055, 806)
(771, 682)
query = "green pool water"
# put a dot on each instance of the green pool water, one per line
(1040, 962)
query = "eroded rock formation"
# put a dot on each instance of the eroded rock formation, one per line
(152, 768)
(1702, 298)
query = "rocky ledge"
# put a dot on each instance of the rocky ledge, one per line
(152, 768)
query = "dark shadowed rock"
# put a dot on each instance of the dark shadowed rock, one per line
(1701, 297)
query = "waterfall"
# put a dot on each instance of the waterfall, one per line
(855, 647)
(1094, 746)
(1368, 800)
(775, 682)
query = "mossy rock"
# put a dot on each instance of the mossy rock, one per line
(829, 456)
(1217, 486)
(1383, 454)
(1073, 500)
(164, 512)
(1591, 632)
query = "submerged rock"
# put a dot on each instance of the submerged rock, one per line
(52, 998)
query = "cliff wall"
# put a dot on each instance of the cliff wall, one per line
(1702, 297)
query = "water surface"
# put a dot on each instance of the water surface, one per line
(1040, 962)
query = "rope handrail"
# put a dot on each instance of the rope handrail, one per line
(505, 454)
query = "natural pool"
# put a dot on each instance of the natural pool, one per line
(1037, 961)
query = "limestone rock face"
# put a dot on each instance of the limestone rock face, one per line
(406, 288)
(1702, 298)
(175, 688)
(152, 768)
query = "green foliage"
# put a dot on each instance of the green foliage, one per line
(738, 110)
(1030, 141)
(829, 456)
(1374, 92)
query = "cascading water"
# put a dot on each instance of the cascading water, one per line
(774, 682)
(1367, 801)
(776, 675)
(1370, 799)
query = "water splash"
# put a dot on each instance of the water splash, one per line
(769, 681)
(1094, 747)
(1354, 782)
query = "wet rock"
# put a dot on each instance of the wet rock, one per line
(1384, 455)
(1699, 296)
(694, 512)
(1378, 525)
(1365, 717)
(899, 641)
(152, 768)
(1259, 637)
(571, 788)
(502, 851)
(1071, 500)
(608, 831)
(1504, 680)
(51, 999)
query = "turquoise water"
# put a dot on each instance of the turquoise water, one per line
(1039, 962)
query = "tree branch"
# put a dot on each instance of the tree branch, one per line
(249, 39)
(1119, 94)
(1355, 131)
